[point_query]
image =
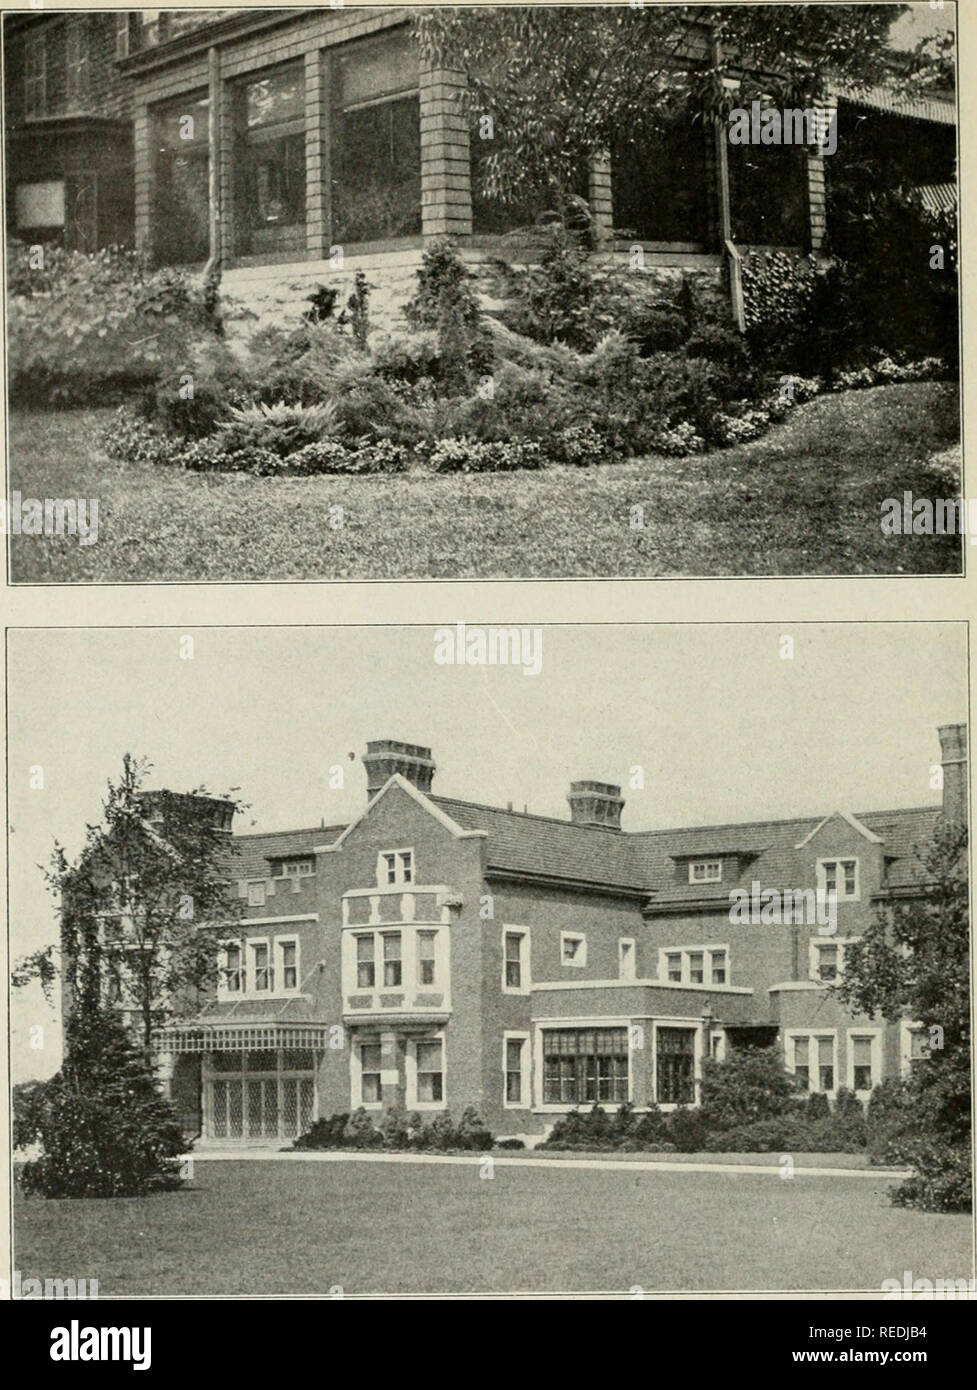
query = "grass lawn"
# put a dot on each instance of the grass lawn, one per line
(805, 499)
(303, 1227)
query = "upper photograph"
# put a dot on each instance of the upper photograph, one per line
(541, 292)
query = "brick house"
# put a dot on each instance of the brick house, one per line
(268, 141)
(436, 953)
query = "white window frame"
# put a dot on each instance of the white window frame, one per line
(410, 1074)
(813, 1034)
(578, 960)
(357, 987)
(404, 875)
(280, 943)
(876, 1035)
(626, 951)
(814, 951)
(525, 1071)
(525, 955)
(707, 952)
(222, 970)
(707, 864)
(435, 935)
(304, 865)
(356, 1074)
(907, 1027)
(840, 895)
(252, 968)
(384, 934)
(257, 892)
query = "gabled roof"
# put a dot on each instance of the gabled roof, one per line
(640, 862)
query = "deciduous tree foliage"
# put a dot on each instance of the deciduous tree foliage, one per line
(914, 962)
(562, 84)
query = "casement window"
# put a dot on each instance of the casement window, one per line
(695, 965)
(366, 970)
(706, 871)
(585, 1065)
(915, 1045)
(76, 64)
(256, 893)
(659, 181)
(811, 1057)
(181, 180)
(626, 967)
(516, 1094)
(838, 878)
(376, 140)
(35, 74)
(258, 1095)
(827, 958)
(230, 978)
(270, 162)
(392, 962)
(262, 970)
(675, 1066)
(429, 1073)
(515, 965)
(864, 1059)
(427, 957)
(288, 963)
(768, 194)
(395, 866)
(370, 1078)
(293, 868)
(573, 948)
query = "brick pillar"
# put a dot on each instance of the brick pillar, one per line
(446, 194)
(143, 178)
(317, 186)
(816, 200)
(601, 204)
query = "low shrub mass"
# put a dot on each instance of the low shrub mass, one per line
(581, 369)
(395, 1129)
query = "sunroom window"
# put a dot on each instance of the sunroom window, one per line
(271, 162)
(376, 141)
(181, 180)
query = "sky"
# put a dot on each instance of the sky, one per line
(724, 727)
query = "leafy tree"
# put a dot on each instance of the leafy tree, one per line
(103, 1126)
(914, 962)
(560, 85)
(142, 908)
(751, 1084)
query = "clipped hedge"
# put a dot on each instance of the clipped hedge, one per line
(396, 1130)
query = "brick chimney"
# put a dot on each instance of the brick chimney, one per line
(953, 744)
(596, 803)
(386, 756)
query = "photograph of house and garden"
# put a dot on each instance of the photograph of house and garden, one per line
(496, 977)
(368, 292)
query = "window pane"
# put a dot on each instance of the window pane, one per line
(280, 97)
(271, 164)
(377, 172)
(181, 182)
(429, 1056)
(768, 195)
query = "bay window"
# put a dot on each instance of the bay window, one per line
(366, 970)
(426, 961)
(392, 963)
(585, 1065)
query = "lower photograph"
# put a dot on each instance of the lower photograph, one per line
(530, 961)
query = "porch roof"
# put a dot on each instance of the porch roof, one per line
(240, 1037)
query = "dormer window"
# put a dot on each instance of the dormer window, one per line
(838, 878)
(706, 871)
(395, 866)
(293, 868)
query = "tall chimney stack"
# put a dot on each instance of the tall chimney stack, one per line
(953, 744)
(596, 803)
(386, 756)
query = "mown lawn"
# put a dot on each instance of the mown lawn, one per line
(805, 499)
(372, 1227)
